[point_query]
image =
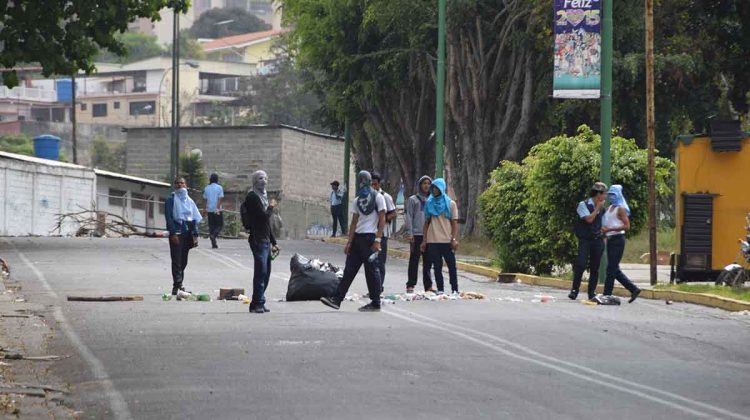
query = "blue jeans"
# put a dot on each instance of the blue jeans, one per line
(436, 253)
(615, 249)
(262, 272)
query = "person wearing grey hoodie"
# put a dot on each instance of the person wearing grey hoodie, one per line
(413, 223)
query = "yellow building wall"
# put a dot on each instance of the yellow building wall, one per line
(727, 174)
(259, 52)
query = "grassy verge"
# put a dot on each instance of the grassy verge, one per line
(743, 295)
(666, 241)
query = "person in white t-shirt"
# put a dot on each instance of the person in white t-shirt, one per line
(365, 236)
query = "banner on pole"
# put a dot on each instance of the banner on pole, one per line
(577, 49)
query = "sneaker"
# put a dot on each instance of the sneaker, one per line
(634, 295)
(409, 290)
(265, 309)
(331, 302)
(573, 294)
(430, 290)
(256, 309)
(440, 292)
(370, 307)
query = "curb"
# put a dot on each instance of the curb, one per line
(702, 299)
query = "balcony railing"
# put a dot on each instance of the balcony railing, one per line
(28, 93)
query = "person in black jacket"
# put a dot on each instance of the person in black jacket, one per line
(588, 229)
(262, 241)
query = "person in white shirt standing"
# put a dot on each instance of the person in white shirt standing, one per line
(214, 195)
(337, 207)
(615, 223)
(390, 216)
(365, 236)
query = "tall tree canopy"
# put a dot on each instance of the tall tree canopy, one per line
(137, 46)
(217, 23)
(64, 36)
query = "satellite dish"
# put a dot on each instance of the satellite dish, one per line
(197, 152)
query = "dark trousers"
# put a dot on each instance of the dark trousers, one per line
(215, 223)
(261, 272)
(337, 214)
(414, 254)
(381, 260)
(589, 251)
(179, 254)
(615, 248)
(359, 252)
(435, 254)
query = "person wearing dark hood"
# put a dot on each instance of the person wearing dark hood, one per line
(615, 223)
(413, 224)
(262, 242)
(440, 234)
(363, 247)
(214, 195)
(390, 216)
(182, 217)
(588, 229)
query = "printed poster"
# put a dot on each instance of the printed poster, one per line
(577, 49)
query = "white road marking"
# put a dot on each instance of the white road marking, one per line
(556, 364)
(116, 401)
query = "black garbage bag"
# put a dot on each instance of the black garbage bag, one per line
(311, 280)
(607, 300)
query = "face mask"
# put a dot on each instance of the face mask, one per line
(181, 192)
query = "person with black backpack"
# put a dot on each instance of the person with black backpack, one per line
(588, 229)
(256, 212)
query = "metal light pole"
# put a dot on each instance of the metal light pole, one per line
(440, 105)
(606, 110)
(347, 152)
(650, 136)
(175, 139)
(74, 135)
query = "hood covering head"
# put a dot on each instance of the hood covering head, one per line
(438, 205)
(260, 181)
(616, 198)
(184, 208)
(419, 183)
(365, 194)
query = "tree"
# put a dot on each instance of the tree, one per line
(190, 49)
(17, 143)
(64, 36)
(280, 97)
(218, 23)
(529, 209)
(138, 47)
(108, 156)
(191, 168)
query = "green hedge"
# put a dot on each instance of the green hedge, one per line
(529, 209)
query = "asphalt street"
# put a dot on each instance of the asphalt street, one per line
(507, 356)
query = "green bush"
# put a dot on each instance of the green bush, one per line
(529, 209)
(17, 143)
(108, 156)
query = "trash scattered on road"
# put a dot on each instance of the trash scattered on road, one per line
(509, 299)
(668, 302)
(104, 298)
(197, 297)
(230, 293)
(166, 297)
(543, 299)
(4, 269)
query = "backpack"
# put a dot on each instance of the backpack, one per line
(245, 214)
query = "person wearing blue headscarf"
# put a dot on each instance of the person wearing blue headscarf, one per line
(440, 234)
(182, 217)
(615, 223)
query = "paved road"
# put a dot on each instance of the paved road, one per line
(415, 360)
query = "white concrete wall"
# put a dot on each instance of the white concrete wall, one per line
(33, 194)
(140, 217)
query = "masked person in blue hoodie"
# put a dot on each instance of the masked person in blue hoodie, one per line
(182, 218)
(615, 223)
(440, 234)
(363, 247)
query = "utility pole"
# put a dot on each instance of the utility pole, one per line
(650, 136)
(440, 106)
(73, 136)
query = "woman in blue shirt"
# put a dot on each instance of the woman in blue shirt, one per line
(182, 217)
